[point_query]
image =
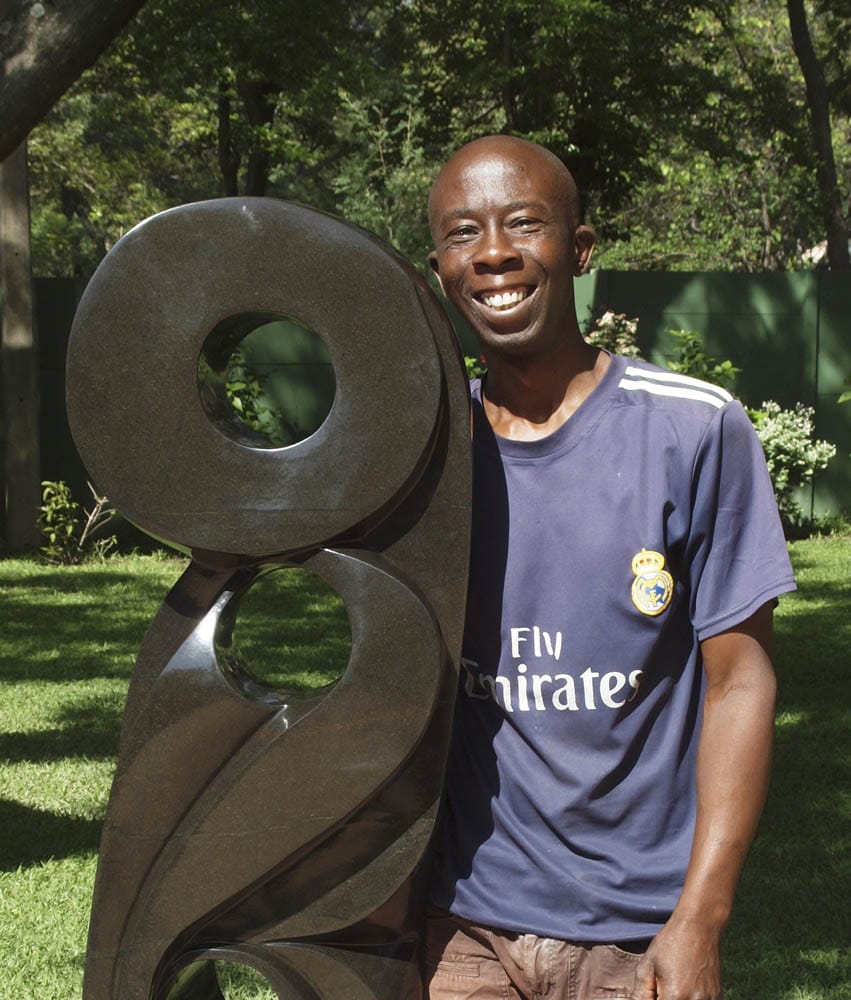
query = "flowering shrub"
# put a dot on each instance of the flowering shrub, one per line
(793, 457)
(614, 332)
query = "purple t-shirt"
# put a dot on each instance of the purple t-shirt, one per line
(601, 556)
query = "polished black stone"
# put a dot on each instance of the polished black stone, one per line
(292, 837)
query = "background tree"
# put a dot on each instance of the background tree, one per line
(736, 190)
(686, 124)
(42, 51)
(595, 80)
(245, 104)
(819, 108)
(19, 387)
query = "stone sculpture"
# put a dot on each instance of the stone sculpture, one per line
(288, 837)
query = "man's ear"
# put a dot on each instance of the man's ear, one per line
(585, 240)
(433, 264)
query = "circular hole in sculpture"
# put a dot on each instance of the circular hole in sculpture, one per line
(241, 982)
(288, 636)
(228, 980)
(265, 381)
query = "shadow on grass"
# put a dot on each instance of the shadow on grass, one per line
(30, 836)
(87, 730)
(61, 626)
(792, 924)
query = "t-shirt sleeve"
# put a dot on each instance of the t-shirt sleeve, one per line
(737, 555)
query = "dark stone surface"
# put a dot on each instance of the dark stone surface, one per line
(291, 837)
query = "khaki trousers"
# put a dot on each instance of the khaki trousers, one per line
(464, 961)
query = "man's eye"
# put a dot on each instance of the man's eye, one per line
(525, 223)
(462, 232)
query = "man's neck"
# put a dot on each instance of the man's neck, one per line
(527, 398)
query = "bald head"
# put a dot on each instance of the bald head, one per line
(495, 153)
(504, 216)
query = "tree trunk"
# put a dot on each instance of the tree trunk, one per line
(228, 157)
(19, 359)
(509, 96)
(258, 99)
(817, 99)
(43, 49)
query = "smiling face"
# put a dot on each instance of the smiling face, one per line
(504, 219)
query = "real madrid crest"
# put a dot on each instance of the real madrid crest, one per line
(653, 586)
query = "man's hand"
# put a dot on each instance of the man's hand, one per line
(683, 962)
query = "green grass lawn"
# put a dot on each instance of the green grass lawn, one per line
(69, 640)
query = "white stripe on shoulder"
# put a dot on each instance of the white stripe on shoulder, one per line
(673, 384)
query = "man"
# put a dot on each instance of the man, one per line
(614, 722)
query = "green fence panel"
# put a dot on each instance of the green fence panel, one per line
(787, 332)
(296, 373)
(833, 419)
(765, 324)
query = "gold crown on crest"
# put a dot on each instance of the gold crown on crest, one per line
(647, 561)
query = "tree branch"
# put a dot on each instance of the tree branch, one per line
(43, 49)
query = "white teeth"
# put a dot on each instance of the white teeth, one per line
(504, 300)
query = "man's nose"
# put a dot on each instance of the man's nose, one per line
(495, 251)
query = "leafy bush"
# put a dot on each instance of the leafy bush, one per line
(793, 457)
(786, 436)
(71, 534)
(692, 359)
(251, 402)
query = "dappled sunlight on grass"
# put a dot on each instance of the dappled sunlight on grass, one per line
(70, 639)
(792, 922)
(85, 622)
(292, 632)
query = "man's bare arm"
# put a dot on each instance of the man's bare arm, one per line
(733, 766)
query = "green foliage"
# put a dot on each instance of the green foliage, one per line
(240, 104)
(793, 457)
(708, 211)
(382, 183)
(616, 333)
(592, 80)
(830, 525)
(58, 520)
(686, 125)
(251, 402)
(73, 535)
(734, 186)
(476, 367)
(691, 359)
